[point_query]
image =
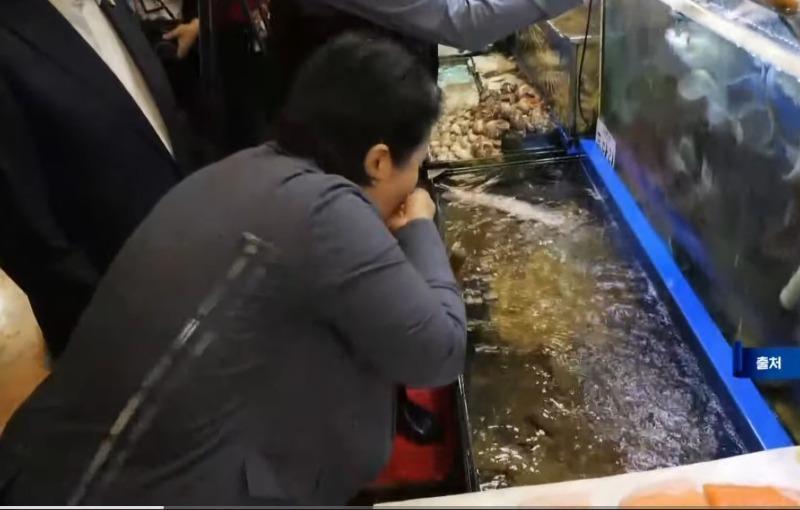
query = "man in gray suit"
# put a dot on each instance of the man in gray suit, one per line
(298, 27)
(246, 344)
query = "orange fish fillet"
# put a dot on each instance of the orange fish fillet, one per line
(738, 495)
(665, 499)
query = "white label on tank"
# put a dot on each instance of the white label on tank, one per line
(606, 142)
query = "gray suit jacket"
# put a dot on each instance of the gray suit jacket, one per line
(465, 24)
(244, 347)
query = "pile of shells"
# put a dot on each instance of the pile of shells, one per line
(477, 132)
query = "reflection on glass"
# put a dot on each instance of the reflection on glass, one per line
(708, 140)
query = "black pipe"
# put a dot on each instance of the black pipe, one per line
(210, 82)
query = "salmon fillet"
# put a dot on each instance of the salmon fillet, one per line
(665, 499)
(738, 495)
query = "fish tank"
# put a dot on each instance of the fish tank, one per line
(491, 112)
(579, 368)
(561, 57)
(524, 97)
(702, 101)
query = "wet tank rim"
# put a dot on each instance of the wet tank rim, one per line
(535, 148)
(581, 168)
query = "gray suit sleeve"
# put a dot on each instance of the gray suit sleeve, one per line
(466, 24)
(399, 312)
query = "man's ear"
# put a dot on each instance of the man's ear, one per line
(378, 163)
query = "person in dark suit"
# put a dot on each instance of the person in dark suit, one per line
(250, 335)
(90, 139)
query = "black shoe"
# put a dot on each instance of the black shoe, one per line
(417, 424)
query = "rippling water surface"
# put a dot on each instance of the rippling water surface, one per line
(578, 370)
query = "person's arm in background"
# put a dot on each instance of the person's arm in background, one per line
(188, 32)
(186, 35)
(394, 302)
(58, 279)
(465, 24)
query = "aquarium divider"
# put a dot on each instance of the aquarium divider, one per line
(763, 425)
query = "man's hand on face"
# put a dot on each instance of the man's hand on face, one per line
(418, 205)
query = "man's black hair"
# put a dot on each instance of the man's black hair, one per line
(355, 92)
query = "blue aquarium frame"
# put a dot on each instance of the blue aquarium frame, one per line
(763, 428)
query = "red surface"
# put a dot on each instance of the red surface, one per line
(415, 464)
(233, 12)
